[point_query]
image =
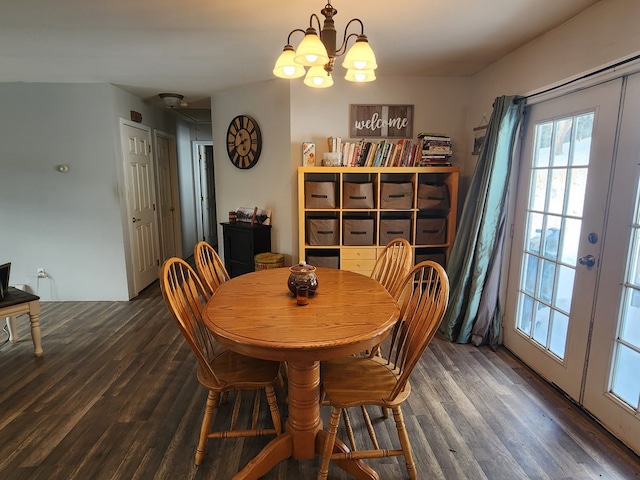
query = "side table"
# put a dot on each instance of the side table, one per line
(242, 242)
(16, 302)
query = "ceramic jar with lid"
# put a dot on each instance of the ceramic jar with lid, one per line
(302, 274)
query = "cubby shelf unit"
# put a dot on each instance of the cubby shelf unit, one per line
(341, 252)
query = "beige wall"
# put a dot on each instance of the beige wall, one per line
(291, 113)
(602, 34)
(268, 184)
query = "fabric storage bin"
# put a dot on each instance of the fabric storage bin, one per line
(394, 228)
(396, 195)
(440, 258)
(320, 194)
(357, 231)
(329, 261)
(431, 231)
(357, 195)
(323, 231)
(433, 197)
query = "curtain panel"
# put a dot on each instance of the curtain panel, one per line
(474, 266)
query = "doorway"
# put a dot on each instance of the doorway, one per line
(571, 309)
(204, 192)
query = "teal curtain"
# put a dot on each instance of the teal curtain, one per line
(474, 265)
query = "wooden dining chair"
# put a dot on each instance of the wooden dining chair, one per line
(220, 371)
(391, 267)
(209, 266)
(393, 264)
(383, 380)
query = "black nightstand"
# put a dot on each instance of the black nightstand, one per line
(242, 242)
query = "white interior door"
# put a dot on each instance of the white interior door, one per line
(566, 163)
(612, 388)
(141, 205)
(168, 200)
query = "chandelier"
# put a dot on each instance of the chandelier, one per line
(319, 53)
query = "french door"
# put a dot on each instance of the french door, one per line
(612, 384)
(571, 299)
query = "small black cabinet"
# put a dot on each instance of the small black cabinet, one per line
(242, 242)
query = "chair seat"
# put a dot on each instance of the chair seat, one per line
(353, 381)
(239, 371)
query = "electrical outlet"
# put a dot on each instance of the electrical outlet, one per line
(42, 273)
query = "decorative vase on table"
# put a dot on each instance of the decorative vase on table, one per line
(302, 274)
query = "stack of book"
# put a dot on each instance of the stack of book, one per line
(436, 149)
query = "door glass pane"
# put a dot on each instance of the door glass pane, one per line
(562, 141)
(625, 381)
(556, 193)
(539, 190)
(577, 185)
(552, 230)
(543, 144)
(559, 327)
(569, 250)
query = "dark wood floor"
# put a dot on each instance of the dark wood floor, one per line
(115, 397)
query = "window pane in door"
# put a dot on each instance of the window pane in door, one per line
(582, 140)
(562, 142)
(556, 193)
(553, 226)
(559, 327)
(569, 252)
(543, 144)
(626, 381)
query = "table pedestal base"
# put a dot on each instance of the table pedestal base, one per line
(303, 437)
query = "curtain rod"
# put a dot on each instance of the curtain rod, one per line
(582, 77)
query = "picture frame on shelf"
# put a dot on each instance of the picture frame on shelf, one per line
(479, 134)
(253, 215)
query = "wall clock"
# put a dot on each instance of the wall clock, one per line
(244, 141)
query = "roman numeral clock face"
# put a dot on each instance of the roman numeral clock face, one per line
(244, 141)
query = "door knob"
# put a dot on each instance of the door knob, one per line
(588, 260)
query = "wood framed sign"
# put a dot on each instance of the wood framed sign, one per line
(381, 121)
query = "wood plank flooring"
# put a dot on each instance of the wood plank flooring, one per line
(116, 397)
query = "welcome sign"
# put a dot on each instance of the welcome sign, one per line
(381, 121)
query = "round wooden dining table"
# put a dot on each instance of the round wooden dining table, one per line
(255, 314)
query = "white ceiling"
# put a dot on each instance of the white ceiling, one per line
(198, 47)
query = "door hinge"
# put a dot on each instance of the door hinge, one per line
(157, 261)
(149, 148)
(512, 228)
(154, 206)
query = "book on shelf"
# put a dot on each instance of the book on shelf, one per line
(404, 152)
(433, 136)
(437, 151)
